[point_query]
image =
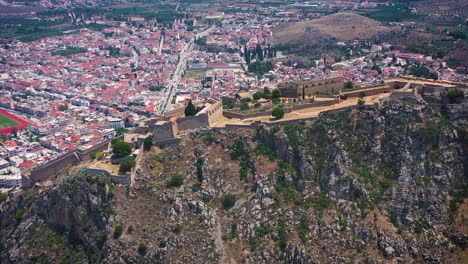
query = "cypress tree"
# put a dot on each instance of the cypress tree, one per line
(190, 109)
(259, 52)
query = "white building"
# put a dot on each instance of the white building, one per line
(10, 177)
(116, 123)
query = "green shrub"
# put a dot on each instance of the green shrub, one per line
(177, 230)
(121, 149)
(322, 201)
(3, 197)
(175, 181)
(361, 103)
(234, 232)
(148, 143)
(428, 134)
(209, 138)
(389, 174)
(243, 172)
(142, 248)
(199, 166)
(367, 176)
(20, 215)
(455, 96)
(303, 228)
(263, 230)
(130, 230)
(263, 149)
(418, 228)
(238, 149)
(100, 155)
(454, 204)
(394, 219)
(276, 93)
(126, 164)
(229, 201)
(162, 244)
(118, 229)
(282, 235)
(278, 111)
(244, 106)
(161, 158)
(349, 85)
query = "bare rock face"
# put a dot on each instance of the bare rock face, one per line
(72, 217)
(385, 183)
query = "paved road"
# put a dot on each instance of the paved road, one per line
(171, 89)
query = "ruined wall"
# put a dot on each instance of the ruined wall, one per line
(314, 104)
(368, 91)
(192, 122)
(53, 168)
(165, 131)
(116, 179)
(167, 142)
(175, 113)
(309, 88)
(289, 89)
(215, 112)
(86, 154)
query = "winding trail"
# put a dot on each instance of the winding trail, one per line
(219, 243)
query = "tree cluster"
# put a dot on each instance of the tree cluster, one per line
(423, 71)
(259, 53)
(122, 150)
(260, 68)
(278, 111)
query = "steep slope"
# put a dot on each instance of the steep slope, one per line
(361, 185)
(66, 224)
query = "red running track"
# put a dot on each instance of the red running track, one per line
(8, 130)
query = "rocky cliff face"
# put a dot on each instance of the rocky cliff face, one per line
(405, 160)
(364, 185)
(64, 224)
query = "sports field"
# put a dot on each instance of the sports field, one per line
(10, 122)
(5, 122)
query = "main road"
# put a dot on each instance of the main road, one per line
(171, 88)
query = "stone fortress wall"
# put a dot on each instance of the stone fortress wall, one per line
(166, 131)
(56, 166)
(308, 88)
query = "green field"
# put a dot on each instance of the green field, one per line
(68, 52)
(395, 13)
(196, 75)
(7, 122)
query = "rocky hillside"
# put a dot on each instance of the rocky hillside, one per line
(65, 224)
(368, 185)
(339, 26)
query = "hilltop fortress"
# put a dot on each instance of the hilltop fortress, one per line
(173, 126)
(170, 128)
(309, 87)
